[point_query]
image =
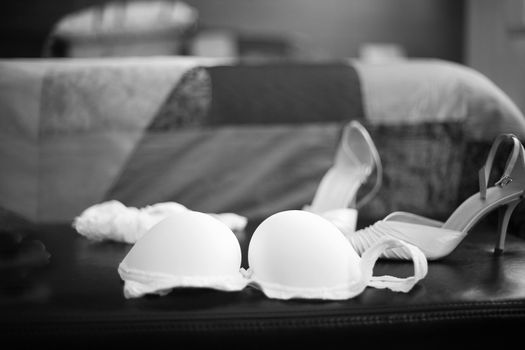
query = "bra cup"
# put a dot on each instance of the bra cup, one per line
(186, 244)
(292, 254)
(301, 251)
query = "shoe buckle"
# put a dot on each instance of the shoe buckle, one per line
(504, 181)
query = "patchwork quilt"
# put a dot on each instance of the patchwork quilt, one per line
(227, 136)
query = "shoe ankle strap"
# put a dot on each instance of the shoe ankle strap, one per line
(484, 172)
(377, 183)
(378, 167)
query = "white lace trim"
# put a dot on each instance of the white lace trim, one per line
(138, 283)
(278, 291)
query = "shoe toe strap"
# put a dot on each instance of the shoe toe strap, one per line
(435, 242)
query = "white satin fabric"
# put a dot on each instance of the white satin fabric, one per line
(434, 242)
(292, 254)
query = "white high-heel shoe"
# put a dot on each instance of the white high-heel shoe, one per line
(355, 160)
(437, 239)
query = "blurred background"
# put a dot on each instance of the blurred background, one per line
(302, 28)
(68, 109)
(484, 34)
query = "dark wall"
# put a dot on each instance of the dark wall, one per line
(25, 24)
(328, 28)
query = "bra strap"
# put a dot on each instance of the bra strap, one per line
(484, 172)
(396, 284)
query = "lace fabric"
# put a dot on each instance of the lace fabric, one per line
(139, 283)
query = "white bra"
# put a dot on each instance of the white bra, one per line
(292, 254)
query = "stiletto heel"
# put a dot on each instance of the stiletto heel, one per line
(503, 222)
(355, 160)
(437, 239)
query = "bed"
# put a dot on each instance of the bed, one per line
(254, 138)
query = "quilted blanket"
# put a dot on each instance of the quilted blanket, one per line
(218, 136)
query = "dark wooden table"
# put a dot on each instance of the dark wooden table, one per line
(77, 298)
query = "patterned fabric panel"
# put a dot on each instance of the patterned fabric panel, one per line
(284, 93)
(422, 166)
(90, 99)
(251, 170)
(187, 105)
